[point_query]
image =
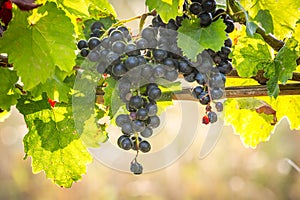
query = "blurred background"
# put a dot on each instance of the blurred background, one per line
(231, 171)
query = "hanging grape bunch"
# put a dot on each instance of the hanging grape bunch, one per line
(143, 64)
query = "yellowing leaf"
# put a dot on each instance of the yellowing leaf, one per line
(253, 128)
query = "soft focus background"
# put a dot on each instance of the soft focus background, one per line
(231, 171)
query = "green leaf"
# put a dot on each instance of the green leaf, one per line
(253, 128)
(53, 142)
(54, 86)
(8, 94)
(264, 18)
(193, 39)
(111, 97)
(43, 45)
(167, 9)
(249, 53)
(286, 58)
(281, 69)
(285, 13)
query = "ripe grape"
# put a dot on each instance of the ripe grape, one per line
(195, 8)
(205, 19)
(219, 106)
(212, 117)
(144, 146)
(82, 44)
(136, 168)
(93, 42)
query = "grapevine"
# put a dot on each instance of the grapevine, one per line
(90, 66)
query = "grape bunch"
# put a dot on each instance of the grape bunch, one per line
(144, 64)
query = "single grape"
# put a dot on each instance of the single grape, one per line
(84, 52)
(153, 121)
(122, 119)
(152, 109)
(154, 93)
(205, 19)
(131, 50)
(94, 56)
(142, 60)
(126, 128)
(120, 139)
(229, 26)
(142, 114)
(105, 43)
(212, 117)
(93, 42)
(136, 168)
(82, 44)
(204, 98)
(150, 86)
(116, 35)
(170, 63)
(184, 67)
(112, 58)
(131, 62)
(217, 80)
(138, 126)
(228, 42)
(159, 55)
(148, 33)
(209, 5)
(171, 75)
(147, 132)
(97, 25)
(219, 106)
(119, 69)
(159, 71)
(201, 78)
(125, 143)
(216, 93)
(147, 71)
(136, 102)
(195, 8)
(142, 43)
(144, 146)
(124, 30)
(118, 47)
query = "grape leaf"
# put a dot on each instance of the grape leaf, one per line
(53, 142)
(193, 39)
(93, 134)
(167, 9)
(252, 127)
(283, 67)
(54, 86)
(8, 93)
(43, 45)
(249, 53)
(285, 13)
(75, 7)
(264, 18)
(105, 8)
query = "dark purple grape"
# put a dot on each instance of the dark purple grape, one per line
(212, 116)
(119, 69)
(142, 114)
(159, 55)
(84, 52)
(136, 168)
(229, 26)
(82, 44)
(144, 146)
(93, 42)
(228, 42)
(209, 5)
(197, 91)
(219, 106)
(205, 19)
(131, 62)
(138, 126)
(154, 93)
(97, 25)
(195, 8)
(136, 102)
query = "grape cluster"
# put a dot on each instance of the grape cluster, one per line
(143, 64)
